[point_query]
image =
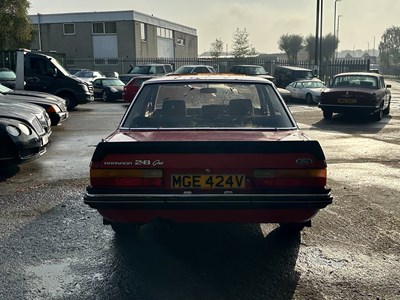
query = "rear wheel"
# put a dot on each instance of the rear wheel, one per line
(293, 228)
(327, 114)
(386, 111)
(377, 116)
(309, 99)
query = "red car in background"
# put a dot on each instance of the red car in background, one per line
(133, 86)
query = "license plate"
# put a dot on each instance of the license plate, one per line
(208, 181)
(347, 101)
(45, 140)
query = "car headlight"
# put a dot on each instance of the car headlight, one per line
(14, 131)
(113, 90)
(25, 129)
(85, 87)
(53, 109)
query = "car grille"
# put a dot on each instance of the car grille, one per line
(37, 125)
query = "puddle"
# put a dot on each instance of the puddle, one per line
(49, 279)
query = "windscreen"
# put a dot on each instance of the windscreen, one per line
(208, 105)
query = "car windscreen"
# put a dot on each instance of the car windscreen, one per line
(208, 105)
(184, 70)
(113, 82)
(7, 75)
(355, 81)
(303, 74)
(255, 71)
(140, 70)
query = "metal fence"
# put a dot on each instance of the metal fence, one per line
(222, 64)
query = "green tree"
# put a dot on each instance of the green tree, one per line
(217, 47)
(241, 46)
(329, 46)
(291, 44)
(15, 26)
(389, 47)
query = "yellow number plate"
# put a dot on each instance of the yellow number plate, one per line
(347, 101)
(208, 181)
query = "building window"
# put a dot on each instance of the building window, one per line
(69, 29)
(143, 32)
(104, 27)
(164, 32)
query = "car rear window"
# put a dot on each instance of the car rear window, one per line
(356, 81)
(208, 105)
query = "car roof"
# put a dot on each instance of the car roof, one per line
(254, 66)
(208, 77)
(292, 68)
(370, 74)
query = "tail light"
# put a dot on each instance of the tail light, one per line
(290, 177)
(126, 177)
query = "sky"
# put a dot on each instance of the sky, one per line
(361, 26)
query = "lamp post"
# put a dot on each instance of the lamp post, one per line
(334, 27)
(338, 27)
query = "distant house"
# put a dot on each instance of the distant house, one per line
(102, 40)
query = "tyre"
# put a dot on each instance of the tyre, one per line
(327, 114)
(70, 101)
(104, 96)
(293, 228)
(377, 116)
(386, 111)
(309, 99)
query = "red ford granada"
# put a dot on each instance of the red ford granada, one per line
(208, 148)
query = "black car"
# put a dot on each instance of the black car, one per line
(285, 75)
(8, 106)
(22, 136)
(7, 77)
(108, 88)
(251, 70)
(54, 105)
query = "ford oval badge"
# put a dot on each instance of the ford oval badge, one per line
(304, 161)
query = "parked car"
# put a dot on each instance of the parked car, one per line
(54, 106)
(358, 93)
(193, 69)
(146, 69)
(7, 78)
(133, 86)
(108, 88)
(88, 75)
(285, 75)
(23, 136)
(210, 148)
(27, 108)
(308, 90)
(252, 70)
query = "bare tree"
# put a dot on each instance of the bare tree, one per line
(241, 45)
(15, 26)
(291, 44)
(217, 47)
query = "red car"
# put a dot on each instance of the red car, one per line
(208, 148)
(133, 86)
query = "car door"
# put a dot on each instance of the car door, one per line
(98, 88)
(40, 75)
(296, 90)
